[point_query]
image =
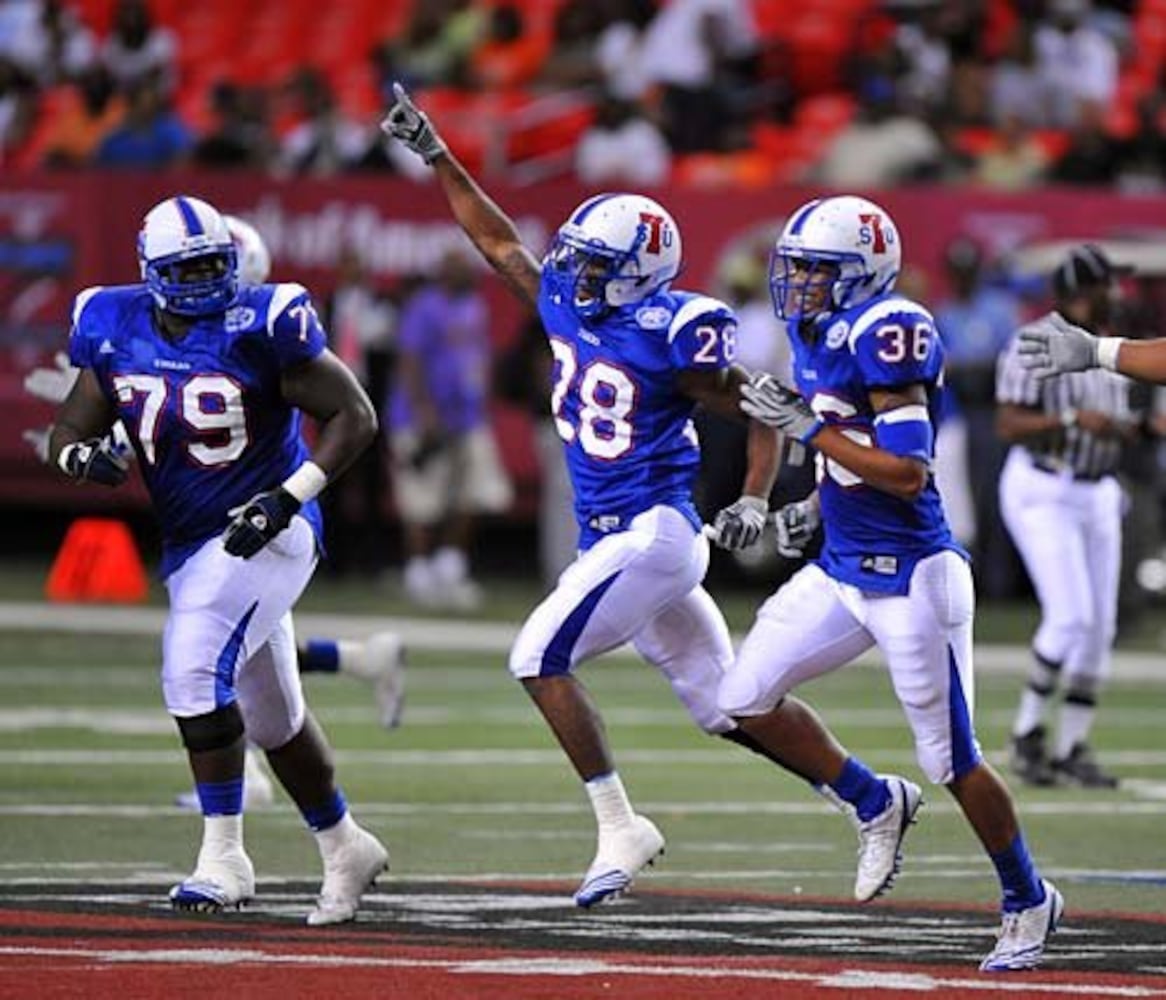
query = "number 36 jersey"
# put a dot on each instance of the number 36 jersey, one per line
(873, 539)
(205, 413)
(626, 427)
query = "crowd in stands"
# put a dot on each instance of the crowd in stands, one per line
(999, 93)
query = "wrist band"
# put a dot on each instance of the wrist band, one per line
(1107, 352)
(306, 482)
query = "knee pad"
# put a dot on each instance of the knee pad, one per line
(213, 731)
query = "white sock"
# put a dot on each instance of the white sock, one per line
(450, 565)
(1075, 722)
(1031, 712)
(609, 801)
(221, 834)
(336, 835)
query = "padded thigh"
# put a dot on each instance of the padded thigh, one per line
(271, 696)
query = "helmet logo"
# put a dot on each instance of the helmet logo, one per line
(872, 231)
(656, 232)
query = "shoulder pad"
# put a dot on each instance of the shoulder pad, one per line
(884, 310)
(82, 300)
(696, 308)
(282, 296)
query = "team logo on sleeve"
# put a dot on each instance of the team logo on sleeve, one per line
(837, 334)
(653, 317)
(239, 318)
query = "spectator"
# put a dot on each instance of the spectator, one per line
(241, 137)
(620, 48)
(701, 53)
(93, 111)
(622, 148)
(434, 49)
(137, 49)
(1092, 157)
(326, 141)
(446, 468)
(47, 40)
(574, 43)
(1016, 89)
(1142, 157)
(17, 107)
(151, 136)
(1016, 160)
(509, 54)
(1077, 63)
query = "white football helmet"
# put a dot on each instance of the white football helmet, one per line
(254, 257)
(187, 257)
(613, 251)
(834, 253)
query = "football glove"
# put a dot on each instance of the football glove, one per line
(739, 525)
(1052, 345)
(765, 399)
(94, 461)
(258, 521)
(52, 384)
(796, 524)
(411, 126)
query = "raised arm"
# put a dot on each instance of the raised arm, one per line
(488, 227)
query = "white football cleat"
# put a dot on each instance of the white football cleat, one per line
(349, 872)
(1024, 934)
(381, 660)
(225, 881)
(621, 855)
(880, 840)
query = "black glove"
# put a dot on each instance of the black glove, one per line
(258, 521)
(94, 461)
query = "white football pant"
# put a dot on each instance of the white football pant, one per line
(641, 586)
(815, 624)
(229, 634)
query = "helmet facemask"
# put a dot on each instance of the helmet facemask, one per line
(194, 282)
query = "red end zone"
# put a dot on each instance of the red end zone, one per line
(460, 942)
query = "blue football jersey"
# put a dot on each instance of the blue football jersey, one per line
(627, 429)
(873, 539)
(204, 413)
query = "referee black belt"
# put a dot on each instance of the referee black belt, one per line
(1044, 465)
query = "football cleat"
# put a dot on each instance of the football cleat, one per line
(349, 872)
(1024, 934)
(223, 882)
(1029, 761)
(621, 855)
(880, 840)
(1081, 768)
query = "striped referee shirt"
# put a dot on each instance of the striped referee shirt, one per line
(1089, 456)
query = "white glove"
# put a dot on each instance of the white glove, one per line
(1052, 345)
(411, 126)
(767, 400)
(796, 524)
(739, 525)
(52, 384)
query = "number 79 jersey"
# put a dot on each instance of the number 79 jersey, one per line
(205, 413)
(873, 539)
(626, 428)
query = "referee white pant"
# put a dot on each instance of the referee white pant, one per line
(1068, 532)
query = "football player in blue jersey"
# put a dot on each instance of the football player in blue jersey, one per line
(632, 359)
(868, 365)
(210, 380)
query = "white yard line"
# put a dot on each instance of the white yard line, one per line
(448, 634)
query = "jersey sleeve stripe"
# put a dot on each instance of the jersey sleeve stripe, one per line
(878, 313)
(284, 293)
(903, 414)
(692, 309)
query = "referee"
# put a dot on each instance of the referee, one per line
(1062, 504)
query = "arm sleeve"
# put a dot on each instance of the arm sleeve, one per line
(703, 335)
(293, 327)
(901, 347)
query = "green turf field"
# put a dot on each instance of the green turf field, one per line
(472, 787)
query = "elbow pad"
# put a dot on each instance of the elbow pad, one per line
(906, 431)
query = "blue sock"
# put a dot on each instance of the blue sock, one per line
(321, 656)
(327, 815)
(1018, 877)
(220, 798)
(859, 786)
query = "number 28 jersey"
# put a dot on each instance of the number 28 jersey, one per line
(205, 413)
(626, 428)
(873, 539)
